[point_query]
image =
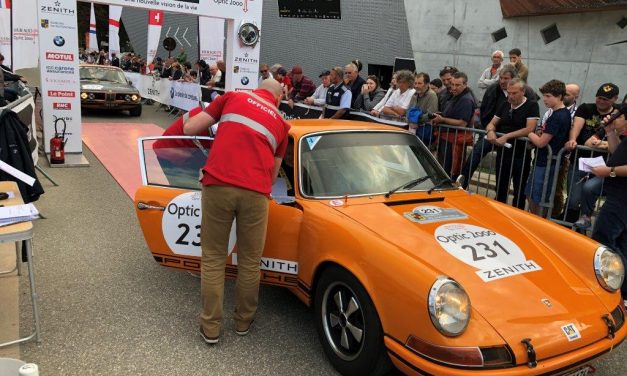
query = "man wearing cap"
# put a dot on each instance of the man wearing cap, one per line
(587, 122)
(303, 86)
(319, 96)
(237, 182)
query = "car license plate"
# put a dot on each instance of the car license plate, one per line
(583, 371)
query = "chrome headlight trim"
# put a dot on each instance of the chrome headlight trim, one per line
(438, 307)
(608, 262)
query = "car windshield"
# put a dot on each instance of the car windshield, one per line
(364, 163)
(102, 74)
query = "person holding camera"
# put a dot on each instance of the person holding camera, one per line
(610, 228)
(371, 94)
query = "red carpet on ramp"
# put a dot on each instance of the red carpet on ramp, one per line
(115, 145)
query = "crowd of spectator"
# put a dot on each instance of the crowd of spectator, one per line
(177, 68)
(504, 107)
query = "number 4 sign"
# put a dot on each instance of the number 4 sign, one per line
(493, 254)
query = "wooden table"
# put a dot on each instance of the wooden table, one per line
(17, 233)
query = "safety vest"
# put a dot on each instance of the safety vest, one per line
(334, 98)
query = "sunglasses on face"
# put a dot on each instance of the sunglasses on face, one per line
(264, 71)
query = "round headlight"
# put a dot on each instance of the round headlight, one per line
(134, 98)
(91, 96)
(127, 97)
(83, 95)
(609, 269)
(449, 307)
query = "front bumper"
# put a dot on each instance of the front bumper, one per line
(412, 364)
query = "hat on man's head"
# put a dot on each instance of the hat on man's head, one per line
(324, 73)
(297, 69)
(608, 91)
(281, 71)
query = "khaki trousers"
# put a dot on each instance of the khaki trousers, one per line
(220, 205)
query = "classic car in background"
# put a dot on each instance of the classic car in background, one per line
(400, 266)
(106, 87)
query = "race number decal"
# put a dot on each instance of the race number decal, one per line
(181, 225)
(429, 214)
(493, 254)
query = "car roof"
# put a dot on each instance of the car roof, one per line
(303, 127)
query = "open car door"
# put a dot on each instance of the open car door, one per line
(168, 206)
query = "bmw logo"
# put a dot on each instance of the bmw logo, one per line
(59, 41)
(171, 92)
(245, 81)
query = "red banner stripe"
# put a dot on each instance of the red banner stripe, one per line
(115, 23)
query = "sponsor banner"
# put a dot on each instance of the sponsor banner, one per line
(211, 39)
(115, 12)
(183, 95)
(214, 8)
(244, 74)
(155, 21)
(26, 34)
(5, 35)
(93, 40)
(60, 83)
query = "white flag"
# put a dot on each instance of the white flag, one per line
(93, 41)
(115, 12)
(155, 21)
(211, 37)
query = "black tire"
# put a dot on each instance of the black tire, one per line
(348, 325)
(137, 111)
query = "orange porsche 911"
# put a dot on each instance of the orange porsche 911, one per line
(402, 268)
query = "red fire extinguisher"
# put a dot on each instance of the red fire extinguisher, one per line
(57, 143)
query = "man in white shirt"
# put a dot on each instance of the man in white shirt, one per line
(319, 96)
(491, 74)
(398, 103)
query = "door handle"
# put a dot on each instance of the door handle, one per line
(144, 206)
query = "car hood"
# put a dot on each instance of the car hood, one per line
(521, 287)
(107, 86)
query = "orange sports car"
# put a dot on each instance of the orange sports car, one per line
(401, 266)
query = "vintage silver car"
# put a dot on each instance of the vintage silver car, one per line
(106, 87)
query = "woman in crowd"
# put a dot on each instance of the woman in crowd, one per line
(371, 94)
(177, 72)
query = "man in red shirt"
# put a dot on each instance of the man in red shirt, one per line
(237, 181)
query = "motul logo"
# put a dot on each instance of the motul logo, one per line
(61, 94)
(59, 56)
(62, 106)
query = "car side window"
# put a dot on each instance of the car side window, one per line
(174, 161)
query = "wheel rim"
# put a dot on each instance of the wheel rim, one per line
(343, 321)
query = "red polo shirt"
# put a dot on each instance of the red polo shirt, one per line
(250, 135)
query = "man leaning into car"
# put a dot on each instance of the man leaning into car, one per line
(237, 181)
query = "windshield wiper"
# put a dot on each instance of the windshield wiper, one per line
(409, 184)
(440, 184)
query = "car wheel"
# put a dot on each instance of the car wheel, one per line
(348, 325)
(137, 111)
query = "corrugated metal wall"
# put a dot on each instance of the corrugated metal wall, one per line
(373, 31)
(136, 24)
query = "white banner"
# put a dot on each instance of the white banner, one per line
(183, 95)
(60, 84)
(5, 35)
(245, 61)
(26, 35)
(115, 12)
(93, 40)
(155, 21)
(211, 39)
(214, 8)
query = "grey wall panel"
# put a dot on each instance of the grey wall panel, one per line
(580, 55)
(136, 24)
(373, 31)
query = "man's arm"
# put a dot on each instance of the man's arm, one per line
(530, 127)
(197, 124)
(277, 166)
(540, 141)
(578, 123)
(491, 129)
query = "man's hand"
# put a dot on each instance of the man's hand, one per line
(501, 140)
(309, 100)
(491, 137)
(601, 171)
(437, 119)
(374, 113)
(570, 145)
